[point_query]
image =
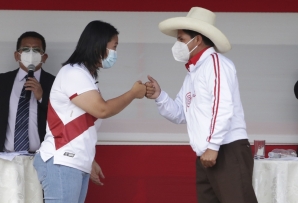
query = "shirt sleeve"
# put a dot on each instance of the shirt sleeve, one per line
(171, 109)
(77, 81)
(220, 77)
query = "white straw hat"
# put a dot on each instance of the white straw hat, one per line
(200, 20)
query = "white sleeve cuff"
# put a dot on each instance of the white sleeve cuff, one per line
(162, 96)
(213, 146)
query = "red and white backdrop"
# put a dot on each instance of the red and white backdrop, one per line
(144, 157)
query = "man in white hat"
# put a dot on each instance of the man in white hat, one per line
(209, 103)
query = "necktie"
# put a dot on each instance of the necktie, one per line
(21, 139)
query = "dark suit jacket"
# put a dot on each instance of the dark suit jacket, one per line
(6, 84)
(296, 89)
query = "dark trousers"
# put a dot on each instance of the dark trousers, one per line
(230, 179)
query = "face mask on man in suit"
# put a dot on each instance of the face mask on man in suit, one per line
(30, 56)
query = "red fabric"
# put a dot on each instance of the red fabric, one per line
(63, 134)
(141, 174)
(154, 5)
(73, 96)
(147, 174)
(195, 58)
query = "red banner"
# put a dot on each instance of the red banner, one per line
(154, 5)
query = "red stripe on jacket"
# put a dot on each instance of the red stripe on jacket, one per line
(216, 93)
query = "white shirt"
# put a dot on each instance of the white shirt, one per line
(209, 102)
(71, 133)
(34, 141)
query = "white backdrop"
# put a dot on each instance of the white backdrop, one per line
(265, 52)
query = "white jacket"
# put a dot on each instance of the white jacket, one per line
(209, 102)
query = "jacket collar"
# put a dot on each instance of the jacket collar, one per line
(190, 65)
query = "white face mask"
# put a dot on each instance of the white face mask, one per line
(110, 60)
(30, 57)
(181, 52)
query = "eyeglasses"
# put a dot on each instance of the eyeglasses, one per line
(34, 49)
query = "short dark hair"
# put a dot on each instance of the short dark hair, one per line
(205, 39)
(92, 45)
(34, 35)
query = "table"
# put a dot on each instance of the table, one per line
(276, 181)
(19, 182)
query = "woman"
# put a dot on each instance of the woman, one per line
(76, 107)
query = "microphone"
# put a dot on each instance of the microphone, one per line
(31, 69)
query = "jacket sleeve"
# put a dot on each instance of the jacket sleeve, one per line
(43, 105)
(46, 83)
(296, 89)
(171, 109)
(220, 80)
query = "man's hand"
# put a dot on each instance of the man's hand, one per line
(152, 88)
(96, 173)
(33, 85)
(208, 159)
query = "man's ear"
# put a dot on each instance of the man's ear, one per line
(44, 58)
(199, 39)
(17, 56)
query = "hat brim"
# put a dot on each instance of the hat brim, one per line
(170, 27)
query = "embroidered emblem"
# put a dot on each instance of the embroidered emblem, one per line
(187, 100)
(69, 154)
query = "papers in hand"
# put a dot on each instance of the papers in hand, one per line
(11, 155)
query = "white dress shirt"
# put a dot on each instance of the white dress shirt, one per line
(34, 141)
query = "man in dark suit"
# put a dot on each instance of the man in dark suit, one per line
(30, 49)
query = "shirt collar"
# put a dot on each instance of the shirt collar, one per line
(22, 74)
(195, 58)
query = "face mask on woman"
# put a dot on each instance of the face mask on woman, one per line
(110, 60)
(30, 57)
(181, 52)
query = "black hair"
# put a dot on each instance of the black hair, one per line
(205, 39)
(92, 45)
(34, 35)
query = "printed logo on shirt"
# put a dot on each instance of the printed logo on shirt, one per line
(69, 154)
(187, 100)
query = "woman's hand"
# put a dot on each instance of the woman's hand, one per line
(138, 90)
(96, 173)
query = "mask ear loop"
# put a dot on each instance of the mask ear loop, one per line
(107, 53)
(190, 41)
(41, 62)
(194, 47)
(18, 61)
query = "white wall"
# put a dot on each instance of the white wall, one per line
(265, 52)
